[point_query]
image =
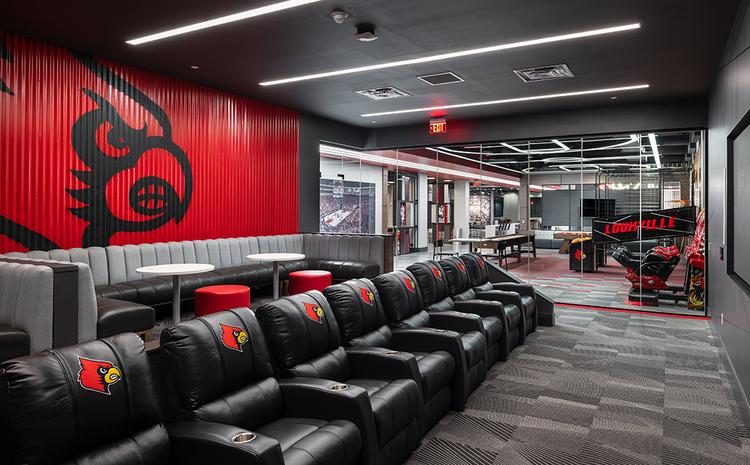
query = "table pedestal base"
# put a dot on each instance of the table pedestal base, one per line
(176, 299)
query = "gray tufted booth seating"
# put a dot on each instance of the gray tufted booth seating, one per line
(125, 299)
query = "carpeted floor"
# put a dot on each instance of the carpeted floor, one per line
(601, 388)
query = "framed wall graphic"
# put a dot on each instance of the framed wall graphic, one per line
(737, 198)
(347, 207)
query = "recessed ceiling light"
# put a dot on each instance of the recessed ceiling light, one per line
(194, 67)
(511, 100)
(614, 97)
(462, 53)
(264, 10)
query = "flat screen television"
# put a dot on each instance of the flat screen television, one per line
(598, 207)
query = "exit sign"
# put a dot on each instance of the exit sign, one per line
(438, 126)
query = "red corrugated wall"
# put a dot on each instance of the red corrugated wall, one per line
(96, 153)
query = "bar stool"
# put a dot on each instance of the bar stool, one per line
(309, 280)
(212, 299)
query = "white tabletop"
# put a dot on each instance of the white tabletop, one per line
(276, 257)
(175, 269)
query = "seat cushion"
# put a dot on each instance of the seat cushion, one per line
(13, 343)
(248, 275)
(395, 404)
(308, 441)
(473, 342)
(514, 316)
(120, 316)
(436, 370)
(493, 328)
(343, 269)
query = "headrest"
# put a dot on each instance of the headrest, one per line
(299, 328)
(213, 355)
(59, 403)
(456, 276)
(431, 280)
(477, 268)
(356, 306)
(399, 295)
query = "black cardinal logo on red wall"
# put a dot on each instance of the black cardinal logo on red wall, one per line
(410, 284)
(98, 375)
(367, 296)
(314, 312)
(233, 337)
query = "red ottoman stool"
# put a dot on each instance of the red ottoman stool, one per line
(308, 280)
(212, 299)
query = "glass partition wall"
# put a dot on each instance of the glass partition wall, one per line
(602, 221)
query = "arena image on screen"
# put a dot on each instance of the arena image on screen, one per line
(347, 207)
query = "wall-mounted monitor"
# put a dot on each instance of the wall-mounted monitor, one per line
(738, 198)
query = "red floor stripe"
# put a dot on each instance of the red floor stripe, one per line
(637, 312)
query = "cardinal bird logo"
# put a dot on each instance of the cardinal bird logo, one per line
(314, 312)
(367, 296)
(410, 284)
(233, 337)
(481, 263)
(461, 267)
(436, 272)
(580, 255)
(98, 375)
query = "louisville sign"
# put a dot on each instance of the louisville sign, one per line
(673, 222)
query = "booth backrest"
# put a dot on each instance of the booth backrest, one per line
(32, 290)
(116, 264)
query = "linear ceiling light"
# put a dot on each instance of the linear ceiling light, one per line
(354, 155)
(510, 100)
(655, 150)
(264, 10)
(462, 53)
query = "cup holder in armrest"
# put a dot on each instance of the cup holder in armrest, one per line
(339, 387)
(243, 438)
(392, 352)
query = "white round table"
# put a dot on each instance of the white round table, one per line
(276, 258)
(175, 271)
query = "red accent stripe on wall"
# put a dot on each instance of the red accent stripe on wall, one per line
(95, 153)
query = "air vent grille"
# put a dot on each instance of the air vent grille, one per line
(441, 79)
(544, 73)
(382, 93)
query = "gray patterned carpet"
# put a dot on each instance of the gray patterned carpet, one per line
(601, 388)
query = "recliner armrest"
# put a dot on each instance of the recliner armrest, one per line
(481, 307)
(200, 443)
(521, 288)
(380, 363)
(456, 321)
(315, 398)
(504, 297)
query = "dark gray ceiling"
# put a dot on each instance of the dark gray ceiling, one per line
(676, 51)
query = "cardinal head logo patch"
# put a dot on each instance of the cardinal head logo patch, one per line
(410, 286)
(367, 296)
(461, 267)
(314, 312)
(233, 337)
(436, 272)
(98, 375)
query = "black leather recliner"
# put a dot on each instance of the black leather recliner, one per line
(304, 339)
(95, 403)
(459, 288)
(402, 304)
(431, 279)
(221, 372)
(522, 294)
(359, 313)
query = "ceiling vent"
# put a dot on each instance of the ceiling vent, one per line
(440, 79)
(544, 73)
(382, 93)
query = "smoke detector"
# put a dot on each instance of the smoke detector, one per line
(365, 32)
(338, 16)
